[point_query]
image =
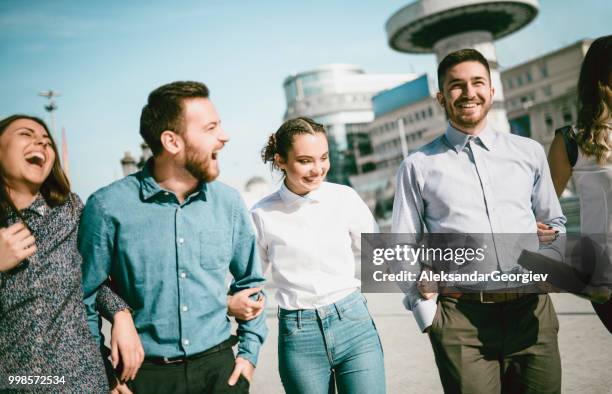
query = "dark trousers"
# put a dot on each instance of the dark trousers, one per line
(207, 374)
(604, 311)
(508, 347)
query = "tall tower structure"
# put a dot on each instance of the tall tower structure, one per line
(444, 26)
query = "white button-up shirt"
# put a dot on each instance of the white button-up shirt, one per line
(310, 243)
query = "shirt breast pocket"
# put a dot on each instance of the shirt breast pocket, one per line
(214, 249)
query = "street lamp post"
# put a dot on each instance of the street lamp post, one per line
(51, 106)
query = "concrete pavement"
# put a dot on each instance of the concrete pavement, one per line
(585, 346)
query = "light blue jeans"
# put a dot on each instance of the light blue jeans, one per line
(335, 342)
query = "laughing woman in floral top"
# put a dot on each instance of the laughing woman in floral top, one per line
(45, 344)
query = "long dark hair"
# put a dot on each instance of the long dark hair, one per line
(55, 189)
(595, 100)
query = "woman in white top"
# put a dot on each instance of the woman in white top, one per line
(308, 233)
(586, 154)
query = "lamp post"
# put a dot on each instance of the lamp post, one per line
(51, 105)
(128, 164)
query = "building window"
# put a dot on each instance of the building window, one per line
(528, 77)
(430, 111)
(312, 90)
(547, 90)
(544, 71)
(567, 116)
(509, 83)
(519, 80)
(548, 121)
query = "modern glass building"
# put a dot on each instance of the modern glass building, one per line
(405, 117)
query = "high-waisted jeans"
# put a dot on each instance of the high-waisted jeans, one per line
(337, 342)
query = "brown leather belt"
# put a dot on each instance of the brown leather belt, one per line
(488, 298)
(227, 344)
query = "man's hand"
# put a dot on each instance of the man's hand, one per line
(546, 233)
(243, 367)
(16, 244)
(242, 307)
(121, 388)
(427, 289)
(125, 345)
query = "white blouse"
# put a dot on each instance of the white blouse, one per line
(310, 243)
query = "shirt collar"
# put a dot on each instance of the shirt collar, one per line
(38, 206)
(288, 197)
(150, 188)
(458, 140)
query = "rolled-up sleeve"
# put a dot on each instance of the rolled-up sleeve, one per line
(246, 269)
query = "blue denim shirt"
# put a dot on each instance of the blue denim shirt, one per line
(169, 262)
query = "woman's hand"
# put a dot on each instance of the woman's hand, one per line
(126, 346)
(546, 233)
(242, 307)
(16, 245)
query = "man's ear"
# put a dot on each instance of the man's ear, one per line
(440, 98)
(171, 142)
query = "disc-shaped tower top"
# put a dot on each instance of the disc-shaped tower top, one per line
(417, 27)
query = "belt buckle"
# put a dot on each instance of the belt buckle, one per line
(177, 361)
(482, 301)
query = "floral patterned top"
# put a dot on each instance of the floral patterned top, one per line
(43, 327)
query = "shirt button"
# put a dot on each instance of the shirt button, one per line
(186, 342)
(185, 308)
(183, 275)
(181, 241)
(39, 340)
(166, 193)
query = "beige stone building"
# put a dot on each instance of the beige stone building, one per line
(541, 93)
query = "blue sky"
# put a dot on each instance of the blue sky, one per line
(105, 57)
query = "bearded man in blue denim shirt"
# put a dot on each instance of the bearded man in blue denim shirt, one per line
(167, 236)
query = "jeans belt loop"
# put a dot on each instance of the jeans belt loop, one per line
(338, 311)
(299, 319)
